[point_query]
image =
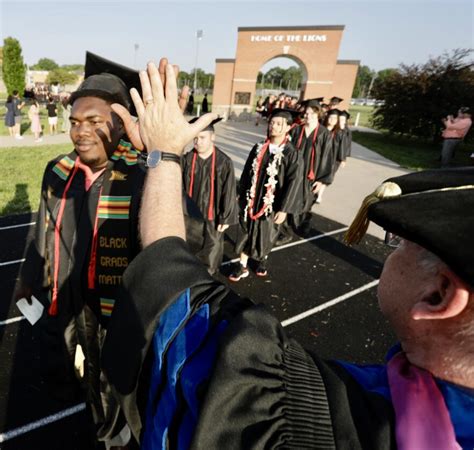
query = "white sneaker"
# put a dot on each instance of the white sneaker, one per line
(472, 155)
(39, 140)
(19, 137)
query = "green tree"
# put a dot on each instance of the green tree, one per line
(382, 76)
(73, 67)
(362, 83)
(416, 97)
(183, 79)
(61, 76)
(274, 76)
(204, 80)
(292, 78)
(13, 68)
(45, 64)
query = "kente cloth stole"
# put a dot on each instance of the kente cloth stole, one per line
(110, 245)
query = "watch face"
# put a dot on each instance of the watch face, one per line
(153, 158)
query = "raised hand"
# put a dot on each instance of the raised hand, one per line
(162, 123)
(132, 127)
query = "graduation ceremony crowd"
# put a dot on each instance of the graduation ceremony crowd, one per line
(130, 232)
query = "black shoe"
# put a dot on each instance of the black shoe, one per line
(239, 273)
(262, 269)
(304, 232)
(283, 239)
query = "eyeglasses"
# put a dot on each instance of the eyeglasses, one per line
(392, 240)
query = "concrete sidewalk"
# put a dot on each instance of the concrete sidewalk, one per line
(29, 140)
(364, 171)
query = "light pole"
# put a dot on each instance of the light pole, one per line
(136, 47)
(199, 35)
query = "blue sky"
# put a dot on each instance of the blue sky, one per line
(379, 33)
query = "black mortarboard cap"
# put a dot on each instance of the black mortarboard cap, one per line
(431, 208)
(288, 114)
(345, 113)
(314, 102)
(108, 80)
(210, 127)
(334, 111)
(336, 99)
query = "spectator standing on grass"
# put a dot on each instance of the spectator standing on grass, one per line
(190, 106)
(205, 105)
(18, 104)
(453, 134)
(34, 116)
(66, 113)
(52, 108)
(10, 116)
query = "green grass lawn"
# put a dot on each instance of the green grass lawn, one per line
(21, 171)
(410, 153)
(365, 115)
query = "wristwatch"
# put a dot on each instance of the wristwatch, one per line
(156, 156)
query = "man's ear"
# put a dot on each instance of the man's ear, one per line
(448, 298)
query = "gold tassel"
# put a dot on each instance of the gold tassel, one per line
(361, 222)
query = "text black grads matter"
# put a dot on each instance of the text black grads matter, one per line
(85, 237)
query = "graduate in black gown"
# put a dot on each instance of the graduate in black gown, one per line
(269, 189)
(85, 237)
(209, 179)
(196, 366)
(344, 117)
(313, 142)
(337, 140)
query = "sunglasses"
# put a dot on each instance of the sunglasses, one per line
(392, 240)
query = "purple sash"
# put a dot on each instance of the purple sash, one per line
(422, 418)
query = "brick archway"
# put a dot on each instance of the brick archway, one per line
(315, 48)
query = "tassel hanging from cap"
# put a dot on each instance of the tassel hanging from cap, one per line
(361, 221)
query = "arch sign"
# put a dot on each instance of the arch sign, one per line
(314, 48)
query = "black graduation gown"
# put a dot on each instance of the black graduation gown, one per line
(322, 163)
(257, 387)
(257, 237)
(81, 317)
(225, 201)
(205, 106)
(347, 142)
(338, 150)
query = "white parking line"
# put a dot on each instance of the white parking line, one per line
(17, 226)
(12, 320)
(292, 244)
(9, 263)
(281, 247)
(328, 304)
(41, 423)
(225, 263)
(75, 409)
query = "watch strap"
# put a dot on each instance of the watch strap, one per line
(165, 156)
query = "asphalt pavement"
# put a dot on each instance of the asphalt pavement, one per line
(322, 291)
